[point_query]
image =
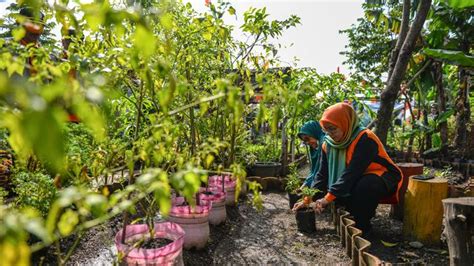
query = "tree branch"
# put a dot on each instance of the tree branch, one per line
(422, 69)
(401, 37)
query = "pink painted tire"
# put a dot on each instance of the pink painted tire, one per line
(170, 254)
(195, 223)
(229, 185)
(217, 199)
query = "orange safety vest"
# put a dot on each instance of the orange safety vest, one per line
(374, 167)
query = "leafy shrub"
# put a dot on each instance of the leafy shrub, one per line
(79, 144)
(35, 190)
(3, 195)
(268, 150)
(4, 145)
(293, 182)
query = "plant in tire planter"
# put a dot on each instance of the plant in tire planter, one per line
(305, 217)
(217, 199)
(134, 252)
(225, 184)
(194, 221)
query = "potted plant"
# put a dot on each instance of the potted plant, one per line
(263, 161)
(163, 247)
(305, 217)
(217, 199)
(293, 184)
(225, 184)
(193, 219)
(150, 243)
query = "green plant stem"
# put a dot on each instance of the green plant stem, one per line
(58, 252)
(73, 247)
(232, 142)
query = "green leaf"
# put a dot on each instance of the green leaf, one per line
(67, 222)
(18, 33)
(388, 244)
(44, 130)
(452, 57)
(91, 116)
(144, 41)
(231, 10)
(459, 3)
(436, 140)
(207, 36)
(444, 116)
(97, 203)
(167, 21)
(15, 67)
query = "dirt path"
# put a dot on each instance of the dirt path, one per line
(268, 237)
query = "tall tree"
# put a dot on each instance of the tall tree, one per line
(390, 93)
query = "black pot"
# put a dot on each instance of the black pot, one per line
(306, 220)
(293, 198)
(266, 169)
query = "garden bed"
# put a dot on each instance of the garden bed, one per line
(269, 237)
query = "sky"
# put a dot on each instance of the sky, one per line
(316, 42)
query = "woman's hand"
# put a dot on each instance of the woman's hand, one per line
(320, 205)
(298, 205)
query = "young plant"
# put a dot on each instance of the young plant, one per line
(293, 182)
(308, 194)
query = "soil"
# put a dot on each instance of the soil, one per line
(270, 236)
(267, 237)
(156, 243)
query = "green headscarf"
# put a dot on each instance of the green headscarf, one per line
(312, 129)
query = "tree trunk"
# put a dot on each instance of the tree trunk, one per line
(437, 70)
(409, 153)
(284, 148)
(423, 210)
(232, 142)
(428, 142)
(401, 37)
(389, 94)
(459, 220)
(462, 112)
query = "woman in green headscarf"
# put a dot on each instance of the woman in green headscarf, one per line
(355, 168)
(312, 134)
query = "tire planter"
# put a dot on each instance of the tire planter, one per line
(170, 254)
(195, 223)
(229, 188)
(216, 199)
(306, 220)
(266, 169)
(292, 199)
(408, 169)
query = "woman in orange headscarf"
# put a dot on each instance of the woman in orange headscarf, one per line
(355, 168)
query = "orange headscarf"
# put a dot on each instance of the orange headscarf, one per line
(343, 116)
